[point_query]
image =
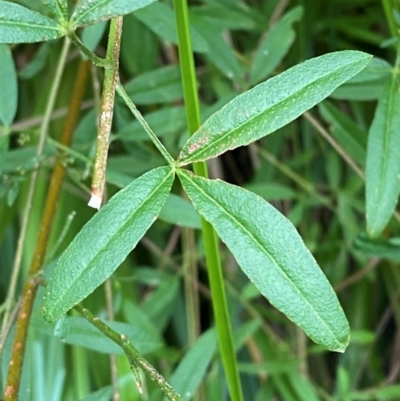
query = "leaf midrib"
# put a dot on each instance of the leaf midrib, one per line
(197, 155)
(260, 246)
(386, 137)
(110, 239)
(55, 27)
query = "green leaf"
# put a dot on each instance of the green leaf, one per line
(271, 253)
(275, 46)
(380, 248)
(21, 25)
(8, 86)
(352, 138)
(83, 333)
(367, 85)
(220, 53)
(92, 11)
(58, 7)
(37, 63)
(179, 211)
(272, 104)
(92, 35)
(158, 86)
(105, 241)
(225, 16)
(164, 122)
(382, 170)
(160, 19)
(189, 374)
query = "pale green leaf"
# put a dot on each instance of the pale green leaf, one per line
(58, 8)
(366, 85)
(105, 241)
(164, 122)
(271, 253)
(21, 25)
(157, 86)
(274, 46)
(382, 170)
(92, 11)
(179, 211)
(83, 333)
(189, 374)
(8, 86)
(272, 104)
(220, 52)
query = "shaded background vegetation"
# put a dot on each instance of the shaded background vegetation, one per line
(308, 170)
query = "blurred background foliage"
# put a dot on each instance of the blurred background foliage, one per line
(310, 170)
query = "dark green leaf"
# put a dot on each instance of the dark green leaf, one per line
(160, 19)
(272, 104)
(105, 241)
(275, 46)
(8, 86)
(382, 171)
(91, 11)
(380, 248)
(271, 253)
(21, 25)
(37, 63)
(352, 138)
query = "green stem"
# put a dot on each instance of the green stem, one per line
(121, 91)
(218, 295)
(135, 359)
(106, 112)
(388, 6)
(96, 60)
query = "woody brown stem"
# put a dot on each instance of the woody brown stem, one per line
(31, 285)
(106, 112)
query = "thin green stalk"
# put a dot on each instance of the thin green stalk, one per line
(106, 112)
(121, 91)
(388, 6)
(32, 185)
(213, 259)
(96, 60)
(190, 277)
(135, 359)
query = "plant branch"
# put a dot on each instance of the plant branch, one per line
(213, 259)
(96, 60)
(32, 184)
(106, 112)
(135, 359)
(31, 285)
(121, 91)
